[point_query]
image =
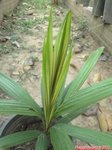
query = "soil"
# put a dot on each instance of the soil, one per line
(21, 55)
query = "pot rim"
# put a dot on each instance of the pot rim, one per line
(7, 123)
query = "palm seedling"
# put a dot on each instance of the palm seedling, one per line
(61, 103)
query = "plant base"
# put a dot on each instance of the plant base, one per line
(21, 123)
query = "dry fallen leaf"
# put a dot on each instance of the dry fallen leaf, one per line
(85, 57)
(15, 43)
(26, 68)
(102, 121)
(104, 118)
(97, 77)
(74, 67)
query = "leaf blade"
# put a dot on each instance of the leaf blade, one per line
(47, 69)
(16, 92)
(18, 138)
(84, 72)
(15, 107)
(42, 142)
(58, 142)
(87, 135)
(63, 74)
(87, 96)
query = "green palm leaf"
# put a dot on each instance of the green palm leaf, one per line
(61, 81)
(61, 44)
(42, 142)
(61, 54)
(85, 97)
(70, 116)
(60, 140)
(87, 135)
(84, 73)
(63, 74)
(15, 91)
(15, 107)
(18, 138)
(54, 59)
(47, 69)
(47, 66)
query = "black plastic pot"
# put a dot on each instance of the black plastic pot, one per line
(22, 123)
(19, 123)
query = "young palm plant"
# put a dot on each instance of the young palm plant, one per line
(61, 103)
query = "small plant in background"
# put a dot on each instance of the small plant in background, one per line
(82, 23)
(61, 103)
